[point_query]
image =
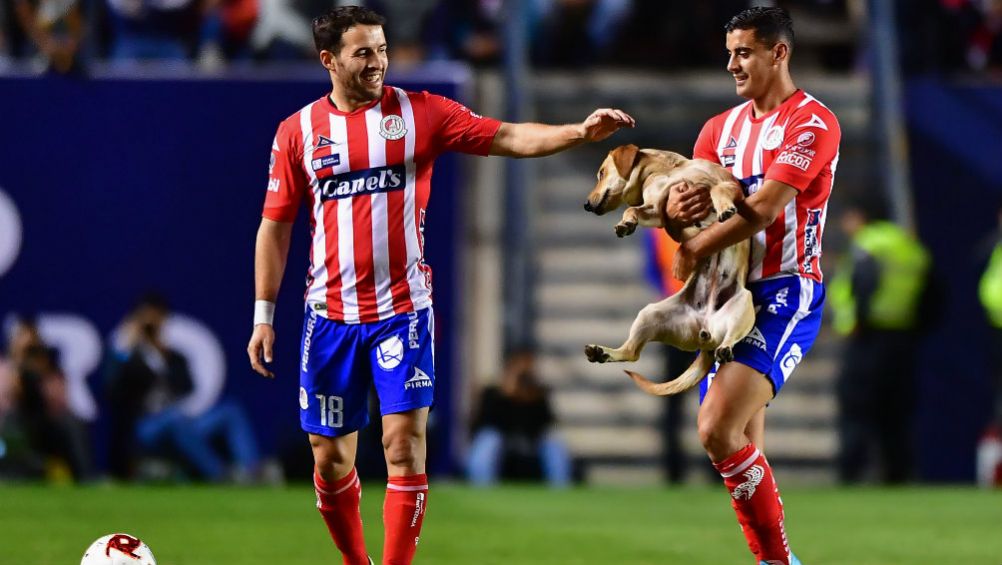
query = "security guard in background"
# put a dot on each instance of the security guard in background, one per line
(877, 299)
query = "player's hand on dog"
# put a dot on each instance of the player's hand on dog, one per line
(688, 204)
(604, 122)
(261, 343)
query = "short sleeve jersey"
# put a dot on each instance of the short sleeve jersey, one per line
(365, 179)
(796, 144)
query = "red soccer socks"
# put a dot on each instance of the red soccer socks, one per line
(403, 512)
(338, 504)
(756, 502)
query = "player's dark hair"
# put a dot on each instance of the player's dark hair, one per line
(771, 25)
(328, 28)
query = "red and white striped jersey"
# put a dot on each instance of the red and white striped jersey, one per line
(796, 144)
(365, 177)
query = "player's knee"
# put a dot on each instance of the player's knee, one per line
(401, 448)
(718, 438)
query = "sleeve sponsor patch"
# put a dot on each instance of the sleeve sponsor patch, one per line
(797, 160)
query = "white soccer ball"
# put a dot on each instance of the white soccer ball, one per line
(118, 549)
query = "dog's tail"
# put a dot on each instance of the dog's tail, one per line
(685, 381)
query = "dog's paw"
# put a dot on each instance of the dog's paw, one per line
(726, 214)
(596, 354)
(724, 355)
(704, 335)
(624, 229)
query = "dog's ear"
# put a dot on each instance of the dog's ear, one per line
(624, 157)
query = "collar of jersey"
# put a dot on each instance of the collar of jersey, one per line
(334, 110)
(794, 98)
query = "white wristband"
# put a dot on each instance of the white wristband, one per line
(264, 312)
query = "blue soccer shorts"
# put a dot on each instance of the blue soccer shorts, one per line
(787, 321)
(339, 362)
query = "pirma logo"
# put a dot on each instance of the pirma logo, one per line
(419, 380)
(390, 353)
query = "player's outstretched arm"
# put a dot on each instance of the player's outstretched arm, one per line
(755, 213)
(539, 140)
(270, 254)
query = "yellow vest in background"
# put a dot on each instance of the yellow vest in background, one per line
(990, 288)
(904, 264)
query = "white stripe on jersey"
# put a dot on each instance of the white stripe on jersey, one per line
(318, 289)
(728, 125)
(380, 225)
(789, 263)
(420, 294)
(758, 240)
(757, 158)
(739, 153)
(345, 227)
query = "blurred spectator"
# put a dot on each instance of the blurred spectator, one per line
(468, 29)
(513, 430)
(572, 33)
(157, 29)
(878, 296)
(34, 411)
(55, 29)
(282, 32)
(950, 35)
(984, 45)
(148, 380)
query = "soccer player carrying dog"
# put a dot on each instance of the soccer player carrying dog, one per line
(361, 160)
(782, 145)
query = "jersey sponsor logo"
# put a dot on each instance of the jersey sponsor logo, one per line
(779, 300)
(419, 380)
(814, 122)
(791, 360)
(311, 323)
(412, 334)
(392, 127)
(366, 181)
(274, 144)
(274, 185)
(324, 141)
(324, 162)
(304, 399)
(753, 476)
(802, 162)
(727, 160)
(773, 138)
(390, 353)
(812, 243)
(271, 164)
(805, 138)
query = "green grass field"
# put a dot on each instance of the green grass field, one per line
(510, 525)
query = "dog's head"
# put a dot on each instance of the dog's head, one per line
(615, 182)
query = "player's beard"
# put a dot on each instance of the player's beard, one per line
(365, 90)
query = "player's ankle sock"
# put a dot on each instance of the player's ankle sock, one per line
(403, 512)
(756, 502)
(338, 504)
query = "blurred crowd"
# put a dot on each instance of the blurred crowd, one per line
(64, 35)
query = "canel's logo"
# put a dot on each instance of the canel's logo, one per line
(10, 233)
(367, 181)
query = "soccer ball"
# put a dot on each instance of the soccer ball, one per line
(118, 549)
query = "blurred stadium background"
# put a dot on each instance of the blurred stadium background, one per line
(134, 137)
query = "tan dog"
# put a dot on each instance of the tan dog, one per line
(713, 310)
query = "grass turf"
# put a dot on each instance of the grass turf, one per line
(513, 525)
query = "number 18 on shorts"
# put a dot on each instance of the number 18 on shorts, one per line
(339, 361)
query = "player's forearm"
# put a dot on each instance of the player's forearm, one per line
(270, 255)
(749, 220)
(536, 140)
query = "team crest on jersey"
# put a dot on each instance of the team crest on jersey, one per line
(773, 138)
(392, 127)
